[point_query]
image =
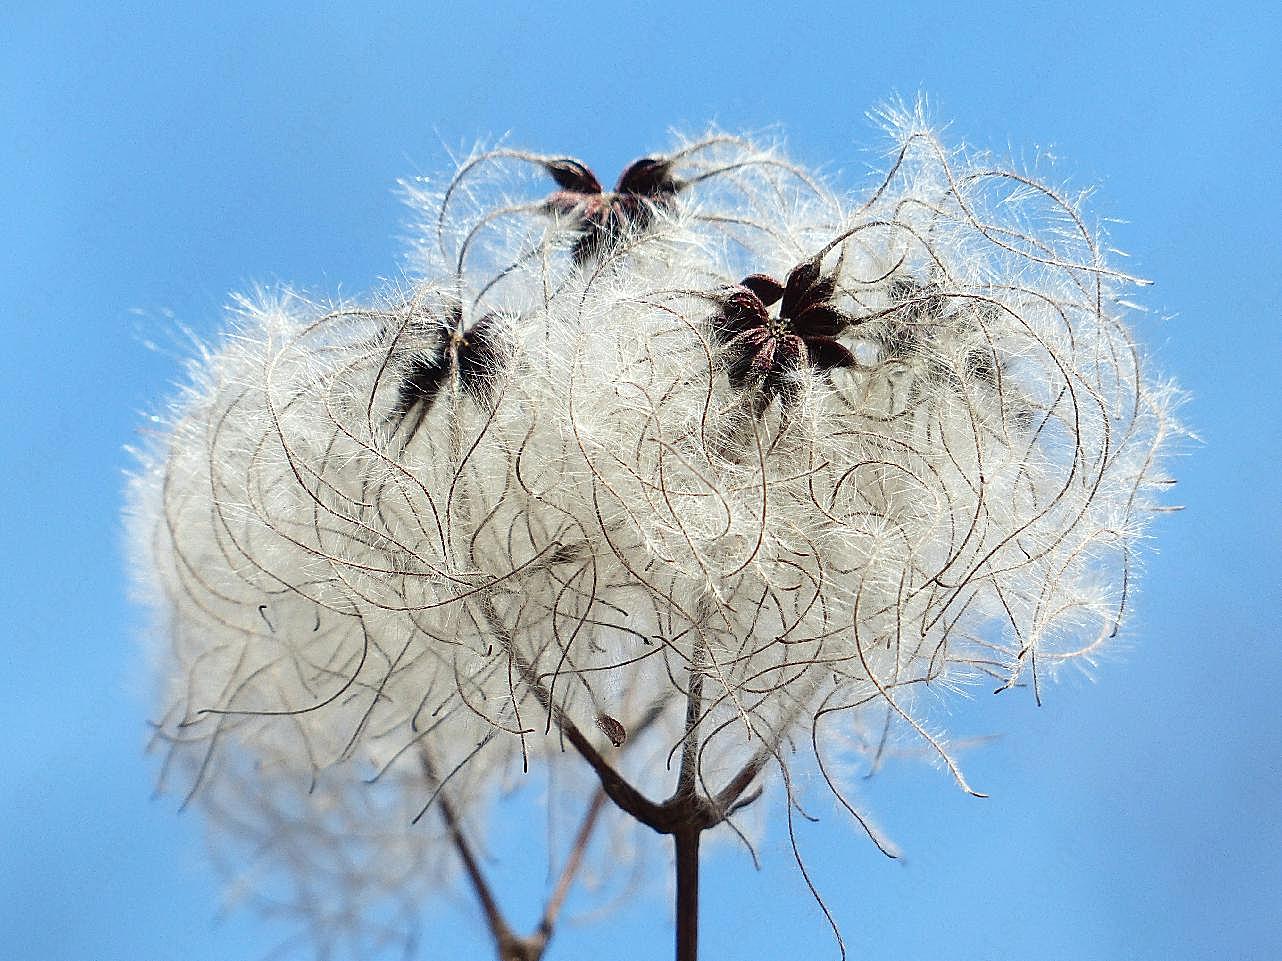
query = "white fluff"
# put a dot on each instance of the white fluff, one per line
(339, 589)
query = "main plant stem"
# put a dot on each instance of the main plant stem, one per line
(686, 842)
(686, 802)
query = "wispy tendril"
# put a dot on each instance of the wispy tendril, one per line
(595, 486)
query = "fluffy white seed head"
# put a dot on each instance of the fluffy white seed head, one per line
(538, 485)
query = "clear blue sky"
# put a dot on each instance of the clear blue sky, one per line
(151, 162)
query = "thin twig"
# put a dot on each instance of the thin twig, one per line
(577, 852)
(498, 925)
(620, 791)
(694, 710)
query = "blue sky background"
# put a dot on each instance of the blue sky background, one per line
(154, 160)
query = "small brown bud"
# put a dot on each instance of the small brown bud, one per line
(612, 729)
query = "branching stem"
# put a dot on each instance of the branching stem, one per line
(685, 815)
(509, 945)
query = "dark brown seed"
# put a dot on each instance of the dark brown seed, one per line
(612, 729)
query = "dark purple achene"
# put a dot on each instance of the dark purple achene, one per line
(645, 187)
(763, 350)
(474, 353)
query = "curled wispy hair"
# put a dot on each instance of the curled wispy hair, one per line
(735, 461)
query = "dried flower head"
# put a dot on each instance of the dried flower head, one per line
(545, 498)
(763, 352)
(601, 219)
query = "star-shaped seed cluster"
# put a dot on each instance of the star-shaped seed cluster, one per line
(645, 187)
(474, 355)
(765, 352)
